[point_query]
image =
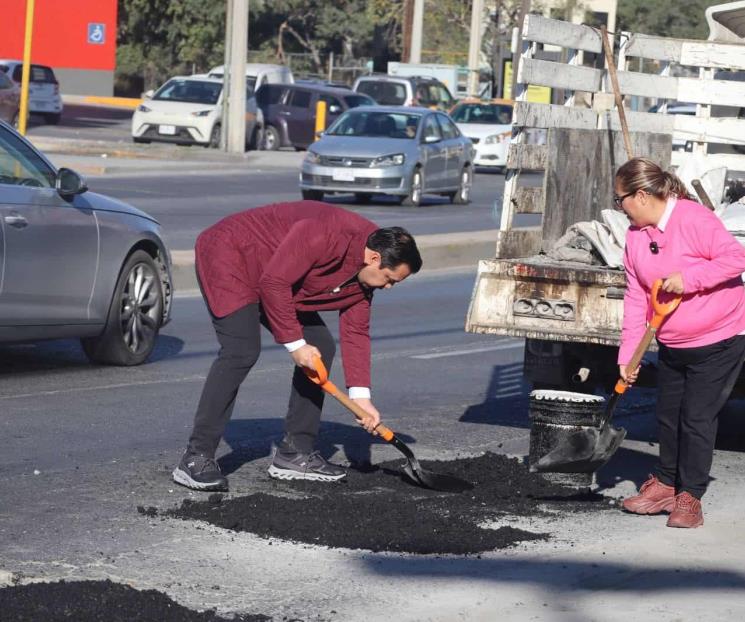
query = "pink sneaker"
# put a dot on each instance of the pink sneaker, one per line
(687, 512)
(654, 498)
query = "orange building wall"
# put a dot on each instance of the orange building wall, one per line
(60, 37)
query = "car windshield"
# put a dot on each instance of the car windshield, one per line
(189, 91)
(384, 93)
(491, 114)
(376, 124)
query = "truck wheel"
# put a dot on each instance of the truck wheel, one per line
(312, 195)
(135, 315)
(414, 198)
(463, 195)
(271, 138)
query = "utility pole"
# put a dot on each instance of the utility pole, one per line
(474, 47)
(406, 31)
(234, 77)
(416, 32)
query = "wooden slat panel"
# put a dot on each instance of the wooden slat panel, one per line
(555, 32)
(723, 130)
(731, 161)
(718, 92)
(550, 115)
(518, 243)
(648, 85)
(529, 157)
(558, 75)
(687, 52)
(581, 165)
(639, 121)
(528, 200)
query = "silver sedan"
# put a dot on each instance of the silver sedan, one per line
(403, 152)
(74, 263)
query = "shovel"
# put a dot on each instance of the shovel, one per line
(412, 468)
(585, 451)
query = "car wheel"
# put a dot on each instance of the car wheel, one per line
(215, 136)
(312, 195)
(52, 119)
(271, 138)
(362, 197)
(463, 195)
(414, 198)
(135, 315)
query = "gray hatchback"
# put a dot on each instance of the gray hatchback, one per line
(74, 263)
(403, 152)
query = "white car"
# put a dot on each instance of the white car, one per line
(187, 110)
(489, 126)
(259, 74)
(43, 89)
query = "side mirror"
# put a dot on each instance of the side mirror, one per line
(320, 133)
(148, 94)
(69, 183)
(334, 109)
(431, 139)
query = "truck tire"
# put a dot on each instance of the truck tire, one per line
(135, 315)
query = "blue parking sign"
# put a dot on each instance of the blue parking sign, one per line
(96, 33)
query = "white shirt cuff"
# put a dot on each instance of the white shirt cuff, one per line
(359, 393)
(294, 345)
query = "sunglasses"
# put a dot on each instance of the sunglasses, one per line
(618, 201)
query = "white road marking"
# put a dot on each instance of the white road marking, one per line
(513, 345)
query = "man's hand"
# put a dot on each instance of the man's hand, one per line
(304, 356)
(673, 284)
(626, 376)
(373, 416)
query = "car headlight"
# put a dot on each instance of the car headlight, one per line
(396, 159)
(201, 113)
(495, 139)
(311, 157)
(143, 108)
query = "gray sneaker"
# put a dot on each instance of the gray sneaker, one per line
(199, 472)
(310, 466)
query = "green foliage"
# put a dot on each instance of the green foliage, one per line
(683, 20)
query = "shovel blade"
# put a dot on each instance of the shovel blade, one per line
(584, 451)
(435, 481)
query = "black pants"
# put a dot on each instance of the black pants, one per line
(239, 335)
(694, 384)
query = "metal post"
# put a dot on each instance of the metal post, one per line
(416, 32)
(26, 73)
(235, 128)
(226, 75)
(331, 66)
(474, 47)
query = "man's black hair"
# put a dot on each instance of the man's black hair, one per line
(396, 246)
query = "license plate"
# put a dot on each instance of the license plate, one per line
(167, 129)
(342, 174)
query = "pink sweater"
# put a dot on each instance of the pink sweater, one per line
(695, 243)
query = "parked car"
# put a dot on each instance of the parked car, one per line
(489, 126)
(259, 74)
(43, 89)
(290, 111)
(405, 91)
(402, 152)
(75, 263)
(187, 110)
(10, 100)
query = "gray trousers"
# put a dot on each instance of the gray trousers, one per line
(239, 335)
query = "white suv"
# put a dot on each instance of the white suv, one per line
(43, 89)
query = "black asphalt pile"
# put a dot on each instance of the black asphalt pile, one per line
(376, 509)
(99, 601)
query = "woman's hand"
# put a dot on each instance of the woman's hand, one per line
(304, 356)
(673, 284)
(373, 416)
(626, 376)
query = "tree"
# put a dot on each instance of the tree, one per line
(683, 20)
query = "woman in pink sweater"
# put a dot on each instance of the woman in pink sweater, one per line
(701, 345)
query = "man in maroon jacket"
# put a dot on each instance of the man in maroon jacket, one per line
(279, 266)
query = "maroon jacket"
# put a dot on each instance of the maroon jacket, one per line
(292, 257)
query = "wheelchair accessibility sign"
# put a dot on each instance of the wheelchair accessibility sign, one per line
(96, 33)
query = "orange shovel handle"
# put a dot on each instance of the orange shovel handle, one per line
(320, 376)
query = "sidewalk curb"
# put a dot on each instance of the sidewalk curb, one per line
(440, 250)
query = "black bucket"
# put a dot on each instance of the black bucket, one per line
(554, 415)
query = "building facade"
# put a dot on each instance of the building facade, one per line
(76, 38)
